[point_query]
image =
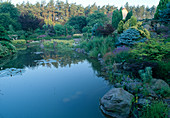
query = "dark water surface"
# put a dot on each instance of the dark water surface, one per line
(50, 84)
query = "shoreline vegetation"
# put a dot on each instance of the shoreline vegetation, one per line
(133, 51)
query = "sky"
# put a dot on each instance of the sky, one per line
(117, 3)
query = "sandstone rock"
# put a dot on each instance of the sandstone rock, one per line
(116, 103)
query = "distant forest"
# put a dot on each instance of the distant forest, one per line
(58, 12)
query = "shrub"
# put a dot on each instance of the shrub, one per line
(20, 42)
(146, 75)
(153, 49)
(133, 21)
(126, 25)
(77, 35)
(6, 48)
(105, 30)
(162, 71)
(120, 54)
(59, 29)
(87, 29)
(130, 37)
(120, 27)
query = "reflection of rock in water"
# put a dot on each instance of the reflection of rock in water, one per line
(11, 72)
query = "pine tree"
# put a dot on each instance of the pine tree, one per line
(162, 5)
(116, 18)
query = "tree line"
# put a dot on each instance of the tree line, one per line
(58, 12)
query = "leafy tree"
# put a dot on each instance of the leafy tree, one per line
(162, 5)
(10, 12)
(4, 22)
(77, 22)
(7, 7)
(29, 22)
(96, 17)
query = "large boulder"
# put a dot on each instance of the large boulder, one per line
(158, 84)
(116, 103)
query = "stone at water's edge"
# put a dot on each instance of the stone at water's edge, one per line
(116, 103)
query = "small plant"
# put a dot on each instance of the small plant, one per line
(157, 109)
(146, 75)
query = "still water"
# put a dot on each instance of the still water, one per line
(50, 84)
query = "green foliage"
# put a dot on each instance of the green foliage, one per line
(129, 15)
(164, 14)
(116, 18)
(162, 71)
(61, 44)
(95, 32)
(133, 21)
(59, 29)
(130, 37)
(120, 27)
(146, 75)
(20, 42)
(9, 15)
(77, 22)
(164, 92)
(6, 48)
(87, 29)
(157, 109)
(126, 25)
(96, 17)
(3, 34)
(98, 45)
(130, 23)
(153, 49)
(162, 5)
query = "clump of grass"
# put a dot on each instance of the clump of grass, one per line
(158, 109)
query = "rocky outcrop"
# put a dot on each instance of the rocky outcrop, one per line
(116, 103)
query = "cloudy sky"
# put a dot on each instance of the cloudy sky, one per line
(85, 3)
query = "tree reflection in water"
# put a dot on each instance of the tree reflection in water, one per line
(32, 57)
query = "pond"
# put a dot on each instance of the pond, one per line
(39, 83)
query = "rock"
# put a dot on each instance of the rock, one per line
(158, 84)
(143, 102)
(153, 34)
(125, 66)
(80, 50)
(116, 103)
(148, 27)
